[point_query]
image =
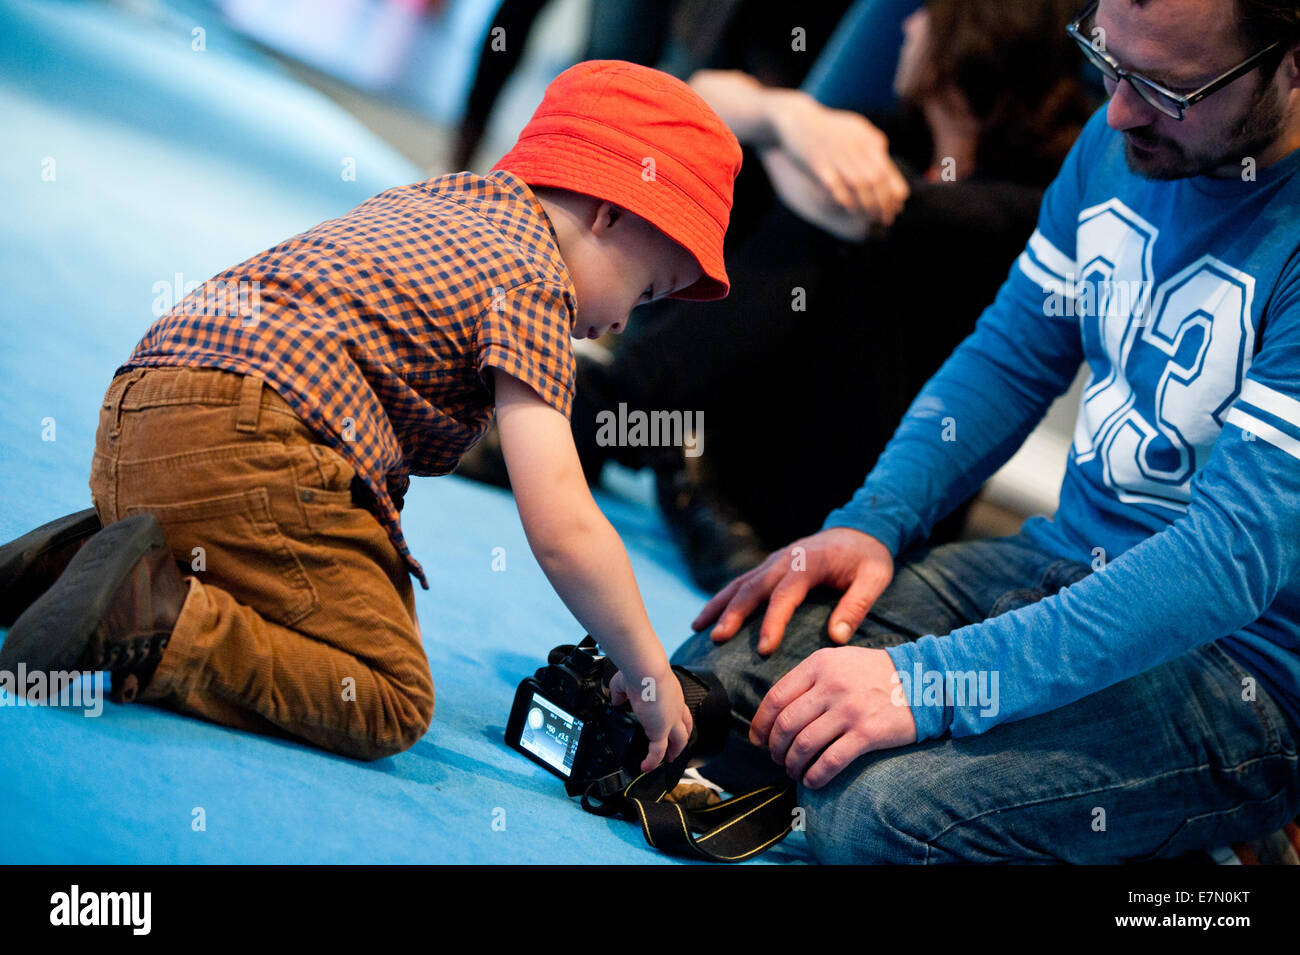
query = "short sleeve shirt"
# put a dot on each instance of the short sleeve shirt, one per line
(379, 327)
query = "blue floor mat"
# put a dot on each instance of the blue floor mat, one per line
(131, 158)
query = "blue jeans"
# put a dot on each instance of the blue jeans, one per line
(1151, 768)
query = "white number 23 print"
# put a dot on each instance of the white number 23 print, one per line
(1173, 357)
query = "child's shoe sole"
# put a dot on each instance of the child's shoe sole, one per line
(55, 632)
(31, 564)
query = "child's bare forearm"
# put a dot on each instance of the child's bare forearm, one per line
(577, 547)
(588, 566)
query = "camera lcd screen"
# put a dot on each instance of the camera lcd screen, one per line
(550, 734)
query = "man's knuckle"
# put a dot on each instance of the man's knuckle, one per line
(784, 724)
(830, 764)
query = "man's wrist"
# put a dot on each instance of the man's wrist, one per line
(909, 690)
(878, 529)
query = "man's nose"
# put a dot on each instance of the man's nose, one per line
(1128, 110)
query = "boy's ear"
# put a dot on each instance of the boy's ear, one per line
(606, 217)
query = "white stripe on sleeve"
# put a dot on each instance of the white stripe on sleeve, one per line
(1268, 399)
(1264, 431)
(1052, 258)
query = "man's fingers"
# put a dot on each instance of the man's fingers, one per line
(837, 756)
(787, 689)
(781, 605)
(813, 737)
(719, 600)
(793, 722)
(868, 584)
(754, 589)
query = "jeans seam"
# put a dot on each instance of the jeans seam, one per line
(1190, 820)
(1182, 770)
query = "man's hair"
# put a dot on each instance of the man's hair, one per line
(1267, 21)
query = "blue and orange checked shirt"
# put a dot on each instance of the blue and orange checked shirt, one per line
(379, 327)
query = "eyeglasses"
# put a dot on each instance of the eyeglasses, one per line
(1160, 96)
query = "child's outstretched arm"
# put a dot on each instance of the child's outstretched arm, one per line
(585, 561)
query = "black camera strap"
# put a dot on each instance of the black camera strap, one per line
(734, 830)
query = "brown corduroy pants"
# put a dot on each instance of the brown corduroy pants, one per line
(300, 617)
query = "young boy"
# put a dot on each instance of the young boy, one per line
(263, 438)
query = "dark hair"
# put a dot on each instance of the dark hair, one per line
(1263, 22)
(1020, 74)
(1266, 21)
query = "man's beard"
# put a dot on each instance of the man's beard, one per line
(1250, 136)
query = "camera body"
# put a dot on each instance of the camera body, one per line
(563, 720)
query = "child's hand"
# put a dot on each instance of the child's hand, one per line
(586, 563)
(658, 703)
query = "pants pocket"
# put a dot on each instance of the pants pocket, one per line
(328, 479)
(234, 542)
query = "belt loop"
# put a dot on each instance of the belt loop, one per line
(115, 402)
(250, 404)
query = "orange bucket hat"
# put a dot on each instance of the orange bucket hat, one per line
(644, 141)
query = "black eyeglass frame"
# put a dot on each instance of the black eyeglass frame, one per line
(1108, 65)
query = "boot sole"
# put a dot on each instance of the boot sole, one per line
(54, 632)
(18, 556)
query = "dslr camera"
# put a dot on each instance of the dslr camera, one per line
(563, 720)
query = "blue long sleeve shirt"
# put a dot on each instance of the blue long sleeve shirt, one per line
(1183, 480)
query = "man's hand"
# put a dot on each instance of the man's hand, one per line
(839, 557)
(843, 700)
(664, 715)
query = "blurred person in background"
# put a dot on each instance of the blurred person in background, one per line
(835, 320)
(676, 36)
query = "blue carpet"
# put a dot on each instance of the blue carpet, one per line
(165, 161)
